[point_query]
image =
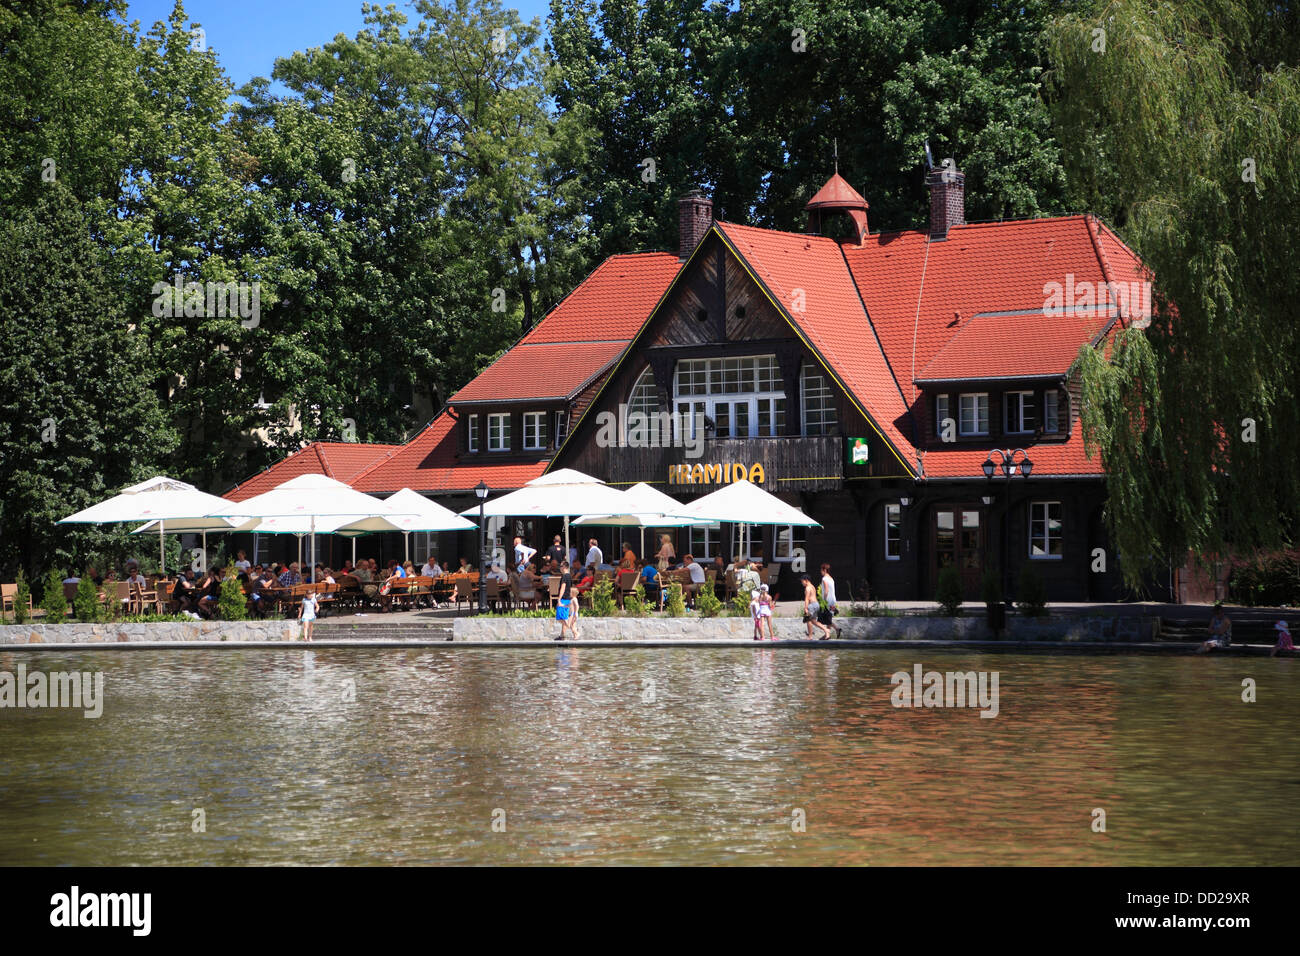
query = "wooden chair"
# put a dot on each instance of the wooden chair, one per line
(523, 594)
(326, 595)
(553, 589)
(118, 592)
(729, 586)
(8, 595)
(492, 595)
(625, 584)
(142, 598)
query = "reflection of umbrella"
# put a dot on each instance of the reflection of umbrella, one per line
(158, 499)
(317, 501)
(646, 507)
(743, 502)
(562, 493)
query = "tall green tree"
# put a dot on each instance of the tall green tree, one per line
(1179, 123)
(78, 418)
(753, 102)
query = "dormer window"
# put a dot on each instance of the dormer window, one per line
(1051, 412)
(534, 431)
(472, 434)
(974, 414)
(1021, 417)
(499, 432)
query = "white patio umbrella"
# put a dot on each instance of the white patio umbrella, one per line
(665, 512)
(743, 502)
(560, 494)
(424, 515)
(159, 499)
(315, 503)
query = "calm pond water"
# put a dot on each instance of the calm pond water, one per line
(676, 755)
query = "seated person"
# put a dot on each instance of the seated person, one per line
(430, 569)
(1284, 642)
(692, 567)
(1220, 630)
(183, 592)
(497, 573)
(629, 562)
(651, 581)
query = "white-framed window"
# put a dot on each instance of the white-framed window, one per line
(535, 431)
(561, 427)
(257, 548)
(1021, 416)
(974, 413)
(789, 540)
(706, 541)
(740, 397)
(942, 413)
(472, 440)
(893, 532)
(1045, 530)
(643, 402)
(817, 401)
(1051, 412)
(499, 432)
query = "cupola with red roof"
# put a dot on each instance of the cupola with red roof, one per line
(837, 196)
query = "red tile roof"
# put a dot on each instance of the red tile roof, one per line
(1020, 345)
(540, 371)
(342, 461)
(429, 463)
(1055, 458)
(919, 292)
(581, 336)
(810, 272)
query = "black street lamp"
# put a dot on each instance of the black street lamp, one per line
(482, 492)
(1011, 463)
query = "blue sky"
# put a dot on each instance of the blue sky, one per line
(248, 35)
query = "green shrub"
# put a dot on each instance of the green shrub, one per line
(21, 595)
(520, 612)
(53, 601)
(1266, 579)
(232, 605)
(1030, 592)
(948, 592)
(602, 599)
(707, 603)
(674, 603)
(86, 604)
(740, 603)
(634, 603)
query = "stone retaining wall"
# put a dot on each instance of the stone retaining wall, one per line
(1053, 628)
(178, 631)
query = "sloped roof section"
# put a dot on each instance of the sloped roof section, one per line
(1016, 345)
(919, 293)
(810, 280)
(429, 463)
(581, 336)
(341, 461)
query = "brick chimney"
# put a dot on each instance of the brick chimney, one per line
(947, 198)
(694, 217)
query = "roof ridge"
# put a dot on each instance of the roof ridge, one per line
(326, 470)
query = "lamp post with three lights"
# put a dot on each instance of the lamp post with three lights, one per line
(1011, 463)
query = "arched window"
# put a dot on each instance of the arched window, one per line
(642, 409)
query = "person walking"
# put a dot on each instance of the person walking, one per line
(523, 554)
(765, 610)
(828, 596)
(307, 614)
(812, 608)
(566, 608)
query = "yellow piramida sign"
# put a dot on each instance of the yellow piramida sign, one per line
(700, 474)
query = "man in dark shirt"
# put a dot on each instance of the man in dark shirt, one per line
(556, 552)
